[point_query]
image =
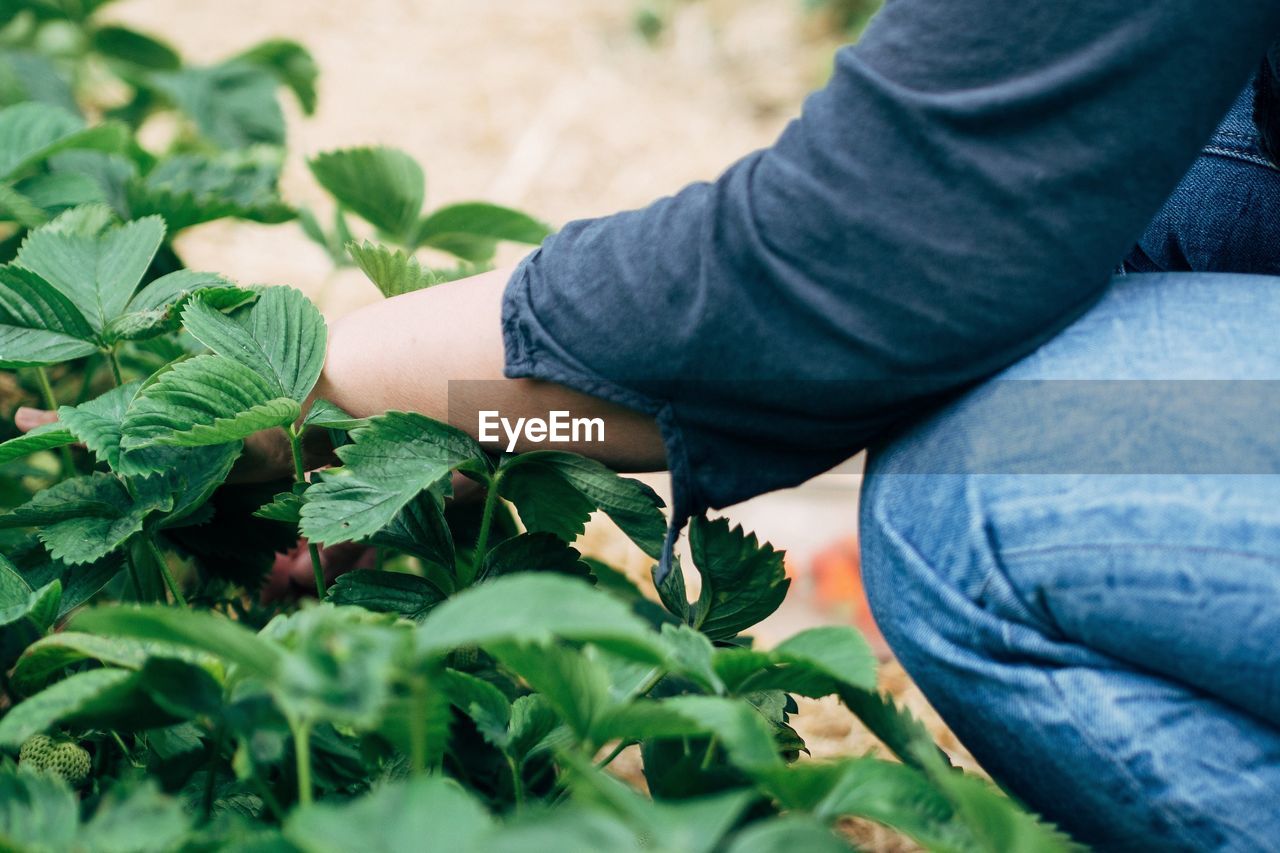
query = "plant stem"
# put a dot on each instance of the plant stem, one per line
(300, 475)
(51, 403)
(517, 784)
(215, 750)
(482, 540)
(124, 750)
(163, 565)
(114, 360)
(302, 755)
(617, 750)
(711, 751)
(418, 726)
(134, 579)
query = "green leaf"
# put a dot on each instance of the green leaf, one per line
(572, 680)
(184, 690)
(386, 592)
(199, 630)
(59, 190)
(139, 820)
(339, 666)
(191, 476)
(895, 727)
(691, 653)
(744, 733)
(144, 319)
(384, 186)
(109, 173)
(39, 607)
(292, 64)
(43, 437)
(191, 189)
(534, 608)
(97, 271)
(568, 829)
(743, 581)
(126, 45)
(29, 76)
(485, 704)
(533, 722)
(892, 794)
(31, 133)
(788, 834)
(38, 811)
(97, 423)
(81, 583)
(21, 207)
(997, 823)
(393, 459)
(14, 589)
(50, 655)
(85, 221)
(814, 663)
(233, 104)
(420, 529)
(79, 693)
(284, 507)
(38, 324)
(83, 519)
(533, 552)
(26, 616)
(281, 336)
(556, 492)
(325, 415)
(392, 271)
(471, 230)
(173, 291)
(694, 825)
(394, 818)
(836, 652)
(205, 400)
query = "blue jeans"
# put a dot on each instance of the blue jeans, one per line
(1084, 576)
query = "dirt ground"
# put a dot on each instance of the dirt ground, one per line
(560, 108)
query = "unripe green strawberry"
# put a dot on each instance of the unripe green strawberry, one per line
(66, 758)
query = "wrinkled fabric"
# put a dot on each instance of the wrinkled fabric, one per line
(955, 196)
(1103, 638)
(1224, 215)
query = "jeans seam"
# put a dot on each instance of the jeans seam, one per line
(1244, 157)
(1038, 550)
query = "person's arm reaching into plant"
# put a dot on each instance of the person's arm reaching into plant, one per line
(956, 195)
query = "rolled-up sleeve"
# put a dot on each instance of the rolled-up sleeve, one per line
(954, 196)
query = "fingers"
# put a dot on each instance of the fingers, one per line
(27, 418)
(292, 576)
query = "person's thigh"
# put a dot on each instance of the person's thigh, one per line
(1079, 562)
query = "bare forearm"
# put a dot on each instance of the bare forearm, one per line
(439, 352)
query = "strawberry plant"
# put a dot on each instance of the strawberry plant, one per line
(474, 691)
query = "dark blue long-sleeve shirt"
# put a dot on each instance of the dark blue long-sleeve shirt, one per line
(956, 195)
